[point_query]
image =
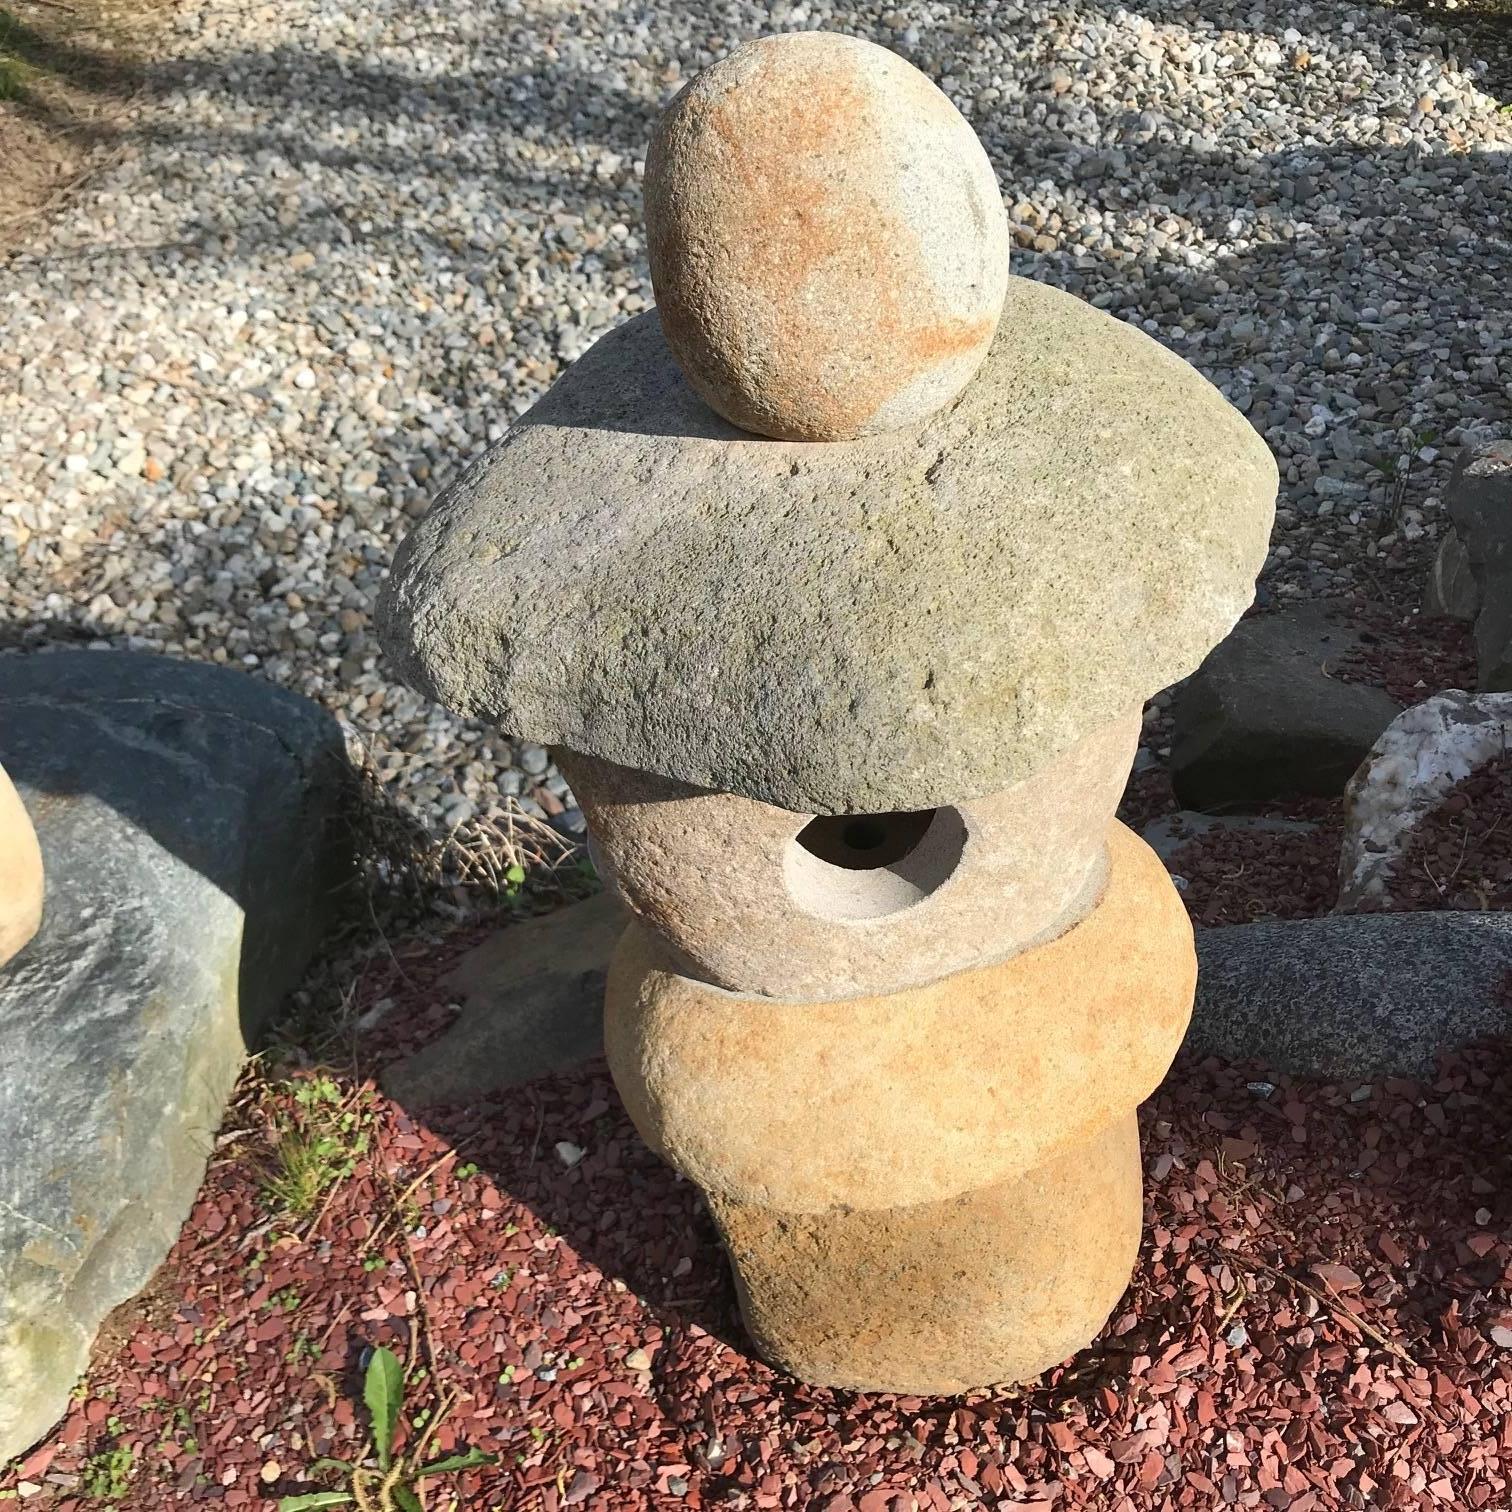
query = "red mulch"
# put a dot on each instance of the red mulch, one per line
(1320, 1318)
(1461, 853)
(1411, 656)
(1240, 876)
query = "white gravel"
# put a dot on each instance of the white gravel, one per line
(350, 242)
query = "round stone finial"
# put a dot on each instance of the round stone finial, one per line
(828, 244)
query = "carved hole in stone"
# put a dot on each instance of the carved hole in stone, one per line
(863, 842)
(866, 866)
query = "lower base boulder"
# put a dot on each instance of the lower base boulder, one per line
(195, 841)
(990, 1286)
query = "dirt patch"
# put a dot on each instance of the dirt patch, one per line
(1238, 876)
(68, 73)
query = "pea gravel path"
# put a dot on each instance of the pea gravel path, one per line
(344, 245)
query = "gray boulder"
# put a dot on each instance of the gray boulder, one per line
(1479, 502)
(1450, 590)
(195, 839)
(1264, 717)
(913, 618)
(532, 1000)
(1352, 994)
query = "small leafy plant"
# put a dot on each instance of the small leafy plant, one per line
(107, 1475)
(318, 1144)
(393, 1486)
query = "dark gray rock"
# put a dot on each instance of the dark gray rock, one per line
(1264, 717)
(532, 1002)
(904, 620)
(1478, 499)
(195, 837)
(1450, 590)
(1352, 994)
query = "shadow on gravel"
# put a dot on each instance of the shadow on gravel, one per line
(619, 1206)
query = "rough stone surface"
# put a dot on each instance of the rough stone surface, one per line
(1451, 589)
(879, 1102)
(981, 1289)
(1409, 771)
(893, 623)
(726, 883)
(1264, 718)
(1479, 503)
(828, 245)
(1352, 994)
(532, 1003)
(20, 873)
(191, 827)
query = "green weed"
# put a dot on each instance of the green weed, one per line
(391, 1485)
(317, 1144)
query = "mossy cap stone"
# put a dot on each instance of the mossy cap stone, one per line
(905, 620)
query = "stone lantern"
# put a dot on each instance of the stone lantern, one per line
(849, 719)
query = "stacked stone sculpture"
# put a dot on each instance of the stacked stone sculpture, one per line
(849, 715)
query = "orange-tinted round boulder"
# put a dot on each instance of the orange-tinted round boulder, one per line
(828, 242)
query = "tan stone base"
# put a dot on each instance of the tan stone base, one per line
(990, 1287)
(20, 873)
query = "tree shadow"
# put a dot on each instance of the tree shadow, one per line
(33, 64)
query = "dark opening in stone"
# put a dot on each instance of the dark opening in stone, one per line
(865, 842)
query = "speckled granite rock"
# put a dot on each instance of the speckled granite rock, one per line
(909, 619)
(1352, 994)
(828, 244)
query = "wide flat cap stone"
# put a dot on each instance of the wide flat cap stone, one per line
(827, 240)
(896, 622)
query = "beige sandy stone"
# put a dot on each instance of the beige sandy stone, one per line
(726, 882)
(981, 1289)
(20, 873)
(827, 240)
(882, 1101)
